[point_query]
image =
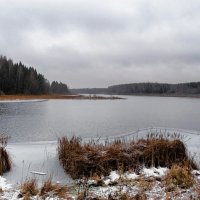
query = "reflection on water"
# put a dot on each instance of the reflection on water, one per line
(48, 120)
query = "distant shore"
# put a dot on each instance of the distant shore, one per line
(56, 96)
(162, 95)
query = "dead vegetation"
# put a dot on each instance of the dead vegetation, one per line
(29, 189)
(5, 160)
(49, 189)
(88, 159)
(53, 189)
(179, 177)
(126, 196)
(117, 196)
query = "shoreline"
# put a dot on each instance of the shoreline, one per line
(56, 96)
(161, 95)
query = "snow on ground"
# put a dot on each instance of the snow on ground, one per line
(149, 181)
(154, 172)
(3, 184)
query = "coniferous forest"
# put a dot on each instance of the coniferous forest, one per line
(16, 78)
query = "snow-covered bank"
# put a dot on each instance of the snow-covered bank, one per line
(39, 160)
(148, 184)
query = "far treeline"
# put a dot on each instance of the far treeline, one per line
(192, 88)
(16, 78)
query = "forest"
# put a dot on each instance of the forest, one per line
(16, 78)
(190, 88)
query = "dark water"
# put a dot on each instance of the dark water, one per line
(48, 120)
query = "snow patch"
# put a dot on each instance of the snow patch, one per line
(114, 176)
(154, 172)
(131, 176)
(3, 184)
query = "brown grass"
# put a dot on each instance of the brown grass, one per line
(53, 96)
(126, 196)
(5, 160)
(145, 184)
(53, 189)
(80, 159)
(29, 189)
(180, 176)
(49, 189)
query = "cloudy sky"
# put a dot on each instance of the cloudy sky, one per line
(97, 43)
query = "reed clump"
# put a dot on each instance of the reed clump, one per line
(5, 160)
(53, 189)
(179, 176)
(87, 159)
(29, 189)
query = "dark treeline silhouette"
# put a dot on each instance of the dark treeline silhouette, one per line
(16, 78)
(192, 88)
(59, 88)
(89, 91)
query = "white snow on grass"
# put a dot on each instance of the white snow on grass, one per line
(114, 176)
(154, 172)
(131, 176)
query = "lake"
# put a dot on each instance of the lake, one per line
(48, 120)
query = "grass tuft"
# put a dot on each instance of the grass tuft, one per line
(5, 160)
(179, 176)
(29, 189)
(52, 189)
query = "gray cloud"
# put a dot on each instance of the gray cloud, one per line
(99, 43)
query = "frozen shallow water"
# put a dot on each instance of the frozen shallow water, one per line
(29, 158)
(23, 101)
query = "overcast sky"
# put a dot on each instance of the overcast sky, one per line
(97, 43)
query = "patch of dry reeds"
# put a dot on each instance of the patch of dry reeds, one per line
(179, 176)
(126, 196)
(85, 160)
(5, 160)
(53, 189)
(29, 189)
(48, 190)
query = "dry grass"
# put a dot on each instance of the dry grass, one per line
(5, 160)
(145, 184)
(198, 190)
(53, 96)
(179, 176)
(126, 196)
(117, 196)
(165, 153)
(29, 189)
(53, 189)
(81, 160)
(49, 189)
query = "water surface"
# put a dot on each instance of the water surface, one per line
(48, 120)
